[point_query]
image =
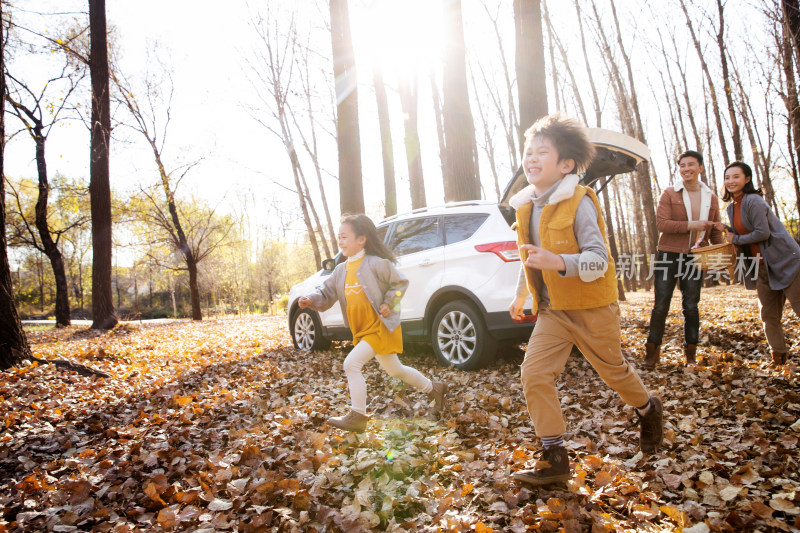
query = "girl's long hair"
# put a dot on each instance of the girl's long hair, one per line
(749, 188)
(363, 225)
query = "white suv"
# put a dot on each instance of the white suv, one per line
(462, 263)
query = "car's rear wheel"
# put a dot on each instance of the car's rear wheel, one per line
(460, 338)
(307, 331)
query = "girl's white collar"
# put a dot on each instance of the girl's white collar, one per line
(358, 256)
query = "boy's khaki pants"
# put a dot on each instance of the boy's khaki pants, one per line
(596, 334)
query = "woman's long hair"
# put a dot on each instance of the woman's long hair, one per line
(363, 225)
(749, 188)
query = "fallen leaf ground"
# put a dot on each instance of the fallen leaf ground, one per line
(218, 426)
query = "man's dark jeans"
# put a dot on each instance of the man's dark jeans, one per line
(668, 269)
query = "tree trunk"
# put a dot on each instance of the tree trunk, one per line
(710, 160)
(13, 344)
(625, 245)
(726, 79)
(565, 59)
(712, 89)
(150, 284)
(182, 243)
(612, 239)
(791, 16)
(48, 245)
(408, 101)
(791, 99)
(789, 43)
(348, 140)
(689, 111)
(80, 283)
(598, 110)
(387, 148)
(313, 210)
(795, 178)
(488, 146)
(643, 169)
(103, 315)
(194, 289)
(629, 127)
(295, 162)
(117, 287)
(461, 176)
(172, 297)
(313, 152)
(761, 161)
(40, 277)
(551, 49)
(510, 126)
(437, 114)
(529, 60)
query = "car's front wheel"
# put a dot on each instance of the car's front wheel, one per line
(307, 331)
(460, 338)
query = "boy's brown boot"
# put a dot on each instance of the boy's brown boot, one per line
(652, 353)
(437, 394)
(652, 426)
(778, 358)
(690, 351)
(556, 469)
(352, 421)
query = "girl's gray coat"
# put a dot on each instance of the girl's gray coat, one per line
(780, 251)
(380, 280)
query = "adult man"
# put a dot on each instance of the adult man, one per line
(686, 216)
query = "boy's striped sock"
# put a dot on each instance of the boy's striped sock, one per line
(549, 442)
(643, 410)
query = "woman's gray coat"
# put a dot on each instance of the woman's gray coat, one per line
(780, 251)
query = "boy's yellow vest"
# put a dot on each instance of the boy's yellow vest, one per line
(556, 234)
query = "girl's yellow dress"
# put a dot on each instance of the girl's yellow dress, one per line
(365, 323)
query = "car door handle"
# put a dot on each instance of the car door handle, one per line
(426, 263)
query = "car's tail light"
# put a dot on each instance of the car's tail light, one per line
(525, 319)
(507, 251)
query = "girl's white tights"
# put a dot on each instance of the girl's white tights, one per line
(361, 355)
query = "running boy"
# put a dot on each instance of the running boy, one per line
(568, 270)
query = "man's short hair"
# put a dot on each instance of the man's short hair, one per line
(568, 137)
(691, 153)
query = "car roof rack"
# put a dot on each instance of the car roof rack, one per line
(440, 206)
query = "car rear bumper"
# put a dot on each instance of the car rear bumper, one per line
(502, 328)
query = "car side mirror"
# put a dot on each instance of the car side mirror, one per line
(328, 264)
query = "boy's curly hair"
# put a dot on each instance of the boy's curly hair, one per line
(568, 137)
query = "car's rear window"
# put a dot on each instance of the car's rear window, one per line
(461, 227)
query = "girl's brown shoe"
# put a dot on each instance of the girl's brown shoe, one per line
(352, 421)
(438, 396)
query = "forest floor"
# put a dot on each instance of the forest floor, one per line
(218, 426)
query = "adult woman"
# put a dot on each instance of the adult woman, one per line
(759, 234)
